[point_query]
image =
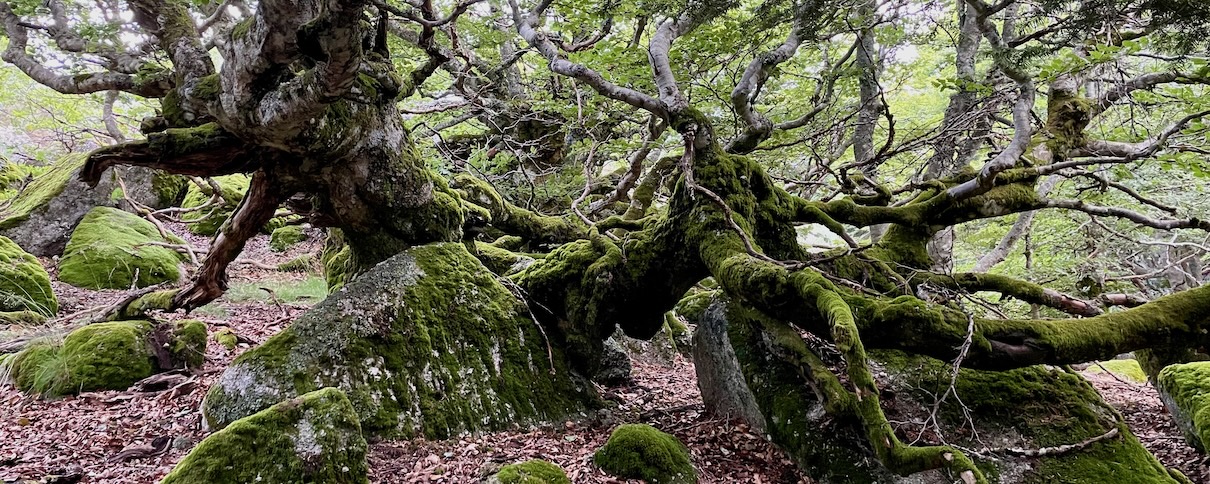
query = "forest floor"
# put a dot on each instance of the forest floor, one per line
(138, 436)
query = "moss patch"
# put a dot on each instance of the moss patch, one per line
(285, 237)
(1128, 369)
(109, 249)
(106, 356)
(531, 472)
(640, 451)
(313, 438)
(227, 338)
(24, 283)
(207, 221)
(1185, 390)
(41, 190)
(427, 342)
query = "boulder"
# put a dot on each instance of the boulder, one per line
(1029, 408)
(312, 438)
(111, 249)
(285, 237)
(40, 218)
(615, 367)
(24, 283)
(531, 472)
(208, 220)
(428, 342)
(640, 451)
(107, 356)
(1185, 390)
(724, 390)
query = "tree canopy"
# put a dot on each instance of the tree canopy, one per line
(996, 184)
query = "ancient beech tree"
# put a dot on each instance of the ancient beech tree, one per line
(308, 94)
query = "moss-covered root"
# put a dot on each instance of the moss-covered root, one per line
(900, 458)
(531, 472)
(24, 284)
(640, 451)
(313, 438)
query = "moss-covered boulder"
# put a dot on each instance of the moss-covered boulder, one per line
(106, 356)
(530, 472)
(312, 438)
(111, 249)
(24, 283)
(428, 342)
(640, 451)
(1185, 390)
(1128, 369)
(285, 237)
(42, 215)
(208, 220)
(1028, 408)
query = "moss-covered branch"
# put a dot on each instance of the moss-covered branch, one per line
(1013, 287)
(537, 229)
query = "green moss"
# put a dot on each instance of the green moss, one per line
(1128, 369)
(207, 221)
(693, 305)
(21, 318)
(189, 343)
(227, 338)
(286, 237)
(24, 284)
(302, 263)
(109, 355)
(312, 438)
(169, 189)
(337, 259)
(640, 451)
(1185, 389)
(41, 190)
(425, 343)
(40, 368)
(532, 472)
(109, 250)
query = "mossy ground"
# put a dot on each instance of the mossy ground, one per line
(24, 283)
(532, 472)
(110, 249)
(640, 451)
(312, 438)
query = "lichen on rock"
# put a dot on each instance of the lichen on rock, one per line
(24, 283)
(315, 437)
(640, 451)
(112, 249)
(428, 342)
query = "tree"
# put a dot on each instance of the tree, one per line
(307, 100)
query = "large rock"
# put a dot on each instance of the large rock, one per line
(107, 356)
(1029, 408)
(724, 391)
(313, 438)
(112, 249)
(40, 218)
(1185, 390)
(24, 283)
(529, 472)
(428, 342)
